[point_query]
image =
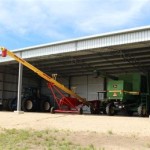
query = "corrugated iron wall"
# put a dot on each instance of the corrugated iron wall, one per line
(9, 85)
(88, 86)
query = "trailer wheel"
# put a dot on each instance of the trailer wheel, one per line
(27, 105)
(141, 111)
(110, 109)
(52, 110)
(45, 105)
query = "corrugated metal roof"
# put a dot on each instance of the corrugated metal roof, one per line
(88, 37)
(86, 43)
(111, 53)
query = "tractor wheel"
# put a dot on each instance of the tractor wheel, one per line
(110, 109)
(12, 104)
(52, 110)
(142, 111)
(45, 105)
(27, 105)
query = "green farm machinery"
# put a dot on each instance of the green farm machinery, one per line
(129, 93)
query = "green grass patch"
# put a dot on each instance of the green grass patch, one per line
(110, 132)
(13, 139)
(148, 145)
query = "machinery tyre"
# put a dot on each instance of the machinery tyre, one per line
(141, 111)
(28, 105)
(52, 110)
(110, 109)
(12, 104)
(45, 106)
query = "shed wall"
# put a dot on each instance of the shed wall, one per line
(87, 86)
(9, 85)
(46, 91)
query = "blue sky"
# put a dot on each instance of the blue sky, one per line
(25, 23)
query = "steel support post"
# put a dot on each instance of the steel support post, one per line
(19, 89)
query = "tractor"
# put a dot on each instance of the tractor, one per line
(32, 100)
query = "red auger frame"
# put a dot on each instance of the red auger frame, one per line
(64, 104)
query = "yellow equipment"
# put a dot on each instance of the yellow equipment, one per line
(6, 52)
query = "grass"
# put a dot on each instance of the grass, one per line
(13, 139)
(148, 145)
(110, 132)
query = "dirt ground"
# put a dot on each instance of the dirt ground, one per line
(116, 132)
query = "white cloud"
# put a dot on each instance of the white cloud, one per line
(59, 18)
(112, 16)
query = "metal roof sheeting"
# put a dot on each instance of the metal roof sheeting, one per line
(86, 43)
